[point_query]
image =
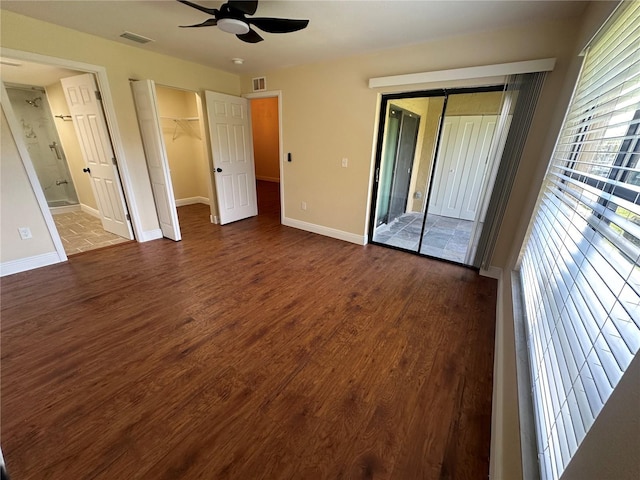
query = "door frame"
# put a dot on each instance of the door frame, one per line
(23, 152)
(385, 101)
(102, 81)
(394, 175)
(272, 94)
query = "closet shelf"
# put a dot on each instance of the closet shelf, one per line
(185, 124)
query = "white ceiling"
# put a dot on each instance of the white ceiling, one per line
(29, 73)
(336, 28)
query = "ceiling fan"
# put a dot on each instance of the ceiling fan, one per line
(232, 18)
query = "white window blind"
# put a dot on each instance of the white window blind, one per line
(579, 268)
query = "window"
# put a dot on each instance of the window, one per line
(579, 268)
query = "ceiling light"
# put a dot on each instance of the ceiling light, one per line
(233, 25)
(237, 61)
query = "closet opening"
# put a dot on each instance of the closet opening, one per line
(182, 127)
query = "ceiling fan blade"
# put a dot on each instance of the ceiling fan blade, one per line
(210, 11)
(250, 37)
(247, 7)
(207, 23)
(278, 25)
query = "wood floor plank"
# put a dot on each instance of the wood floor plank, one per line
(249, 351)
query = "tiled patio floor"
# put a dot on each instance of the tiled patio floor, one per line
(444, 237)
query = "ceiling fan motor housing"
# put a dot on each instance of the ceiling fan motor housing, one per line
(233, 25)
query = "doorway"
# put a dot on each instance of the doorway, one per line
(182, 131)
(398, 162)
(266, 153)
(266, 130)
(446, 164)
(38, 102)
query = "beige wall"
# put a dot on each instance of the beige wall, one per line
(121, 62)
(266, 138)
(71, 146)
(330, 113)
(18, 206)
(185, 151)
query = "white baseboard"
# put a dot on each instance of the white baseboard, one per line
(149, 235)
(91, 211)
(268, 179)
(181, 202)
(492, 272)
(497, 421)
(65, 209)
(326, 231)
(28, 263)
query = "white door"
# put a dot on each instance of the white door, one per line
(447, 142)
(90, 125)
(462, 165)
(477, 168)
(457, 162)
(144, 94)
(233, 164)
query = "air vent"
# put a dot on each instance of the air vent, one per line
(259, 84)
(134, 37)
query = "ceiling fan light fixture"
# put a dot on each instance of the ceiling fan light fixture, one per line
(233, 25)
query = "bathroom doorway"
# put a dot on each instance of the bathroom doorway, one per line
(45, 124)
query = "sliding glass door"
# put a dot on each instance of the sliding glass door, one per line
(406, 149)
(436, 163)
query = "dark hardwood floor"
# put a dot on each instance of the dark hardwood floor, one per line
(248, 351)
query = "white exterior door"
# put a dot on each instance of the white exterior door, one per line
(82, 96)
(233, 164)
(463, 164)
(156, 154)
(447, 142)
(477, 168)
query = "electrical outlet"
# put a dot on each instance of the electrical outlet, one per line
(25, 233)
(303, 205)
(345, 162)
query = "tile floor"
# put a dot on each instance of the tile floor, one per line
(81, 232)
(444, 237)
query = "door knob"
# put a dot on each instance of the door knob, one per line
(218, 169)
(86, 170)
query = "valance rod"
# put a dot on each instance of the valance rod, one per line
(513, 68)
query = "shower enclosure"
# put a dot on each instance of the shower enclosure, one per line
(41, 137)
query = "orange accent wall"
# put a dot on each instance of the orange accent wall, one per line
(264, 123)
